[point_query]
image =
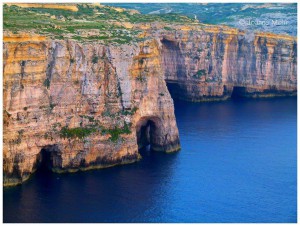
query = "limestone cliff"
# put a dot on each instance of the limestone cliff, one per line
(86, 105)
(82, 94)
(220, 63)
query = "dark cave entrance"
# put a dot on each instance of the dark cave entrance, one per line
(175, 90)
(45, 160)
(147, 133)
(48, 159)
(239, 92)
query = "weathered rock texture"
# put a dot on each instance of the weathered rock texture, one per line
(83, 105)
(88, 105)
(215, 64)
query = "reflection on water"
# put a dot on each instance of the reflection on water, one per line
(237, 164)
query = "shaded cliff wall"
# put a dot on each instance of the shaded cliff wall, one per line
(205, 65)
(81, 104)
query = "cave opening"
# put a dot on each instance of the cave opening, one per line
(147, 134)
(238, 92)
(47, 159)
(176, 91)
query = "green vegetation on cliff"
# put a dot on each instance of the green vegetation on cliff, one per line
(200, 73)
(90, 23)
(116, 132)
(82, 132)
(77, 132)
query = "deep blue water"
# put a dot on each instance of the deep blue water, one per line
(237, 164)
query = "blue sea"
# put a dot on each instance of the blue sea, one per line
(238, 163)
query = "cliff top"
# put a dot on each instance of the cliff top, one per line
(96, 22)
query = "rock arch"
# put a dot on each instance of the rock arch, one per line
(148, 132)
(153, 131)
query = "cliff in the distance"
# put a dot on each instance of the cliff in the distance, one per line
(217, 64)
(83, 100)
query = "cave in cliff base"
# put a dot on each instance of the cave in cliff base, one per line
(238, 92)
(175, 90)
(146, 133)
(47, 159)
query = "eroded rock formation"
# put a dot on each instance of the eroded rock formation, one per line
(216, 64)
(83, 104)
(78, 105)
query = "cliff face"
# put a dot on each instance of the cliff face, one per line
(215, 64)
(81, 106)
(77, 105)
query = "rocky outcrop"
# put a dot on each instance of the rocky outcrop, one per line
(82, 106)
(78, 105)
(215, 64)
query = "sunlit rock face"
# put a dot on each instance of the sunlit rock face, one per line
(204, 65)
(80, 106)
(71, 105)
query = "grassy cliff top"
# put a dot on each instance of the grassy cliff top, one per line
(82, 21)
(101, 23)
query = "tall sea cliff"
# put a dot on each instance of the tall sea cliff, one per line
(83, 94)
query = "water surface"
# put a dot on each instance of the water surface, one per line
(237, 164)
